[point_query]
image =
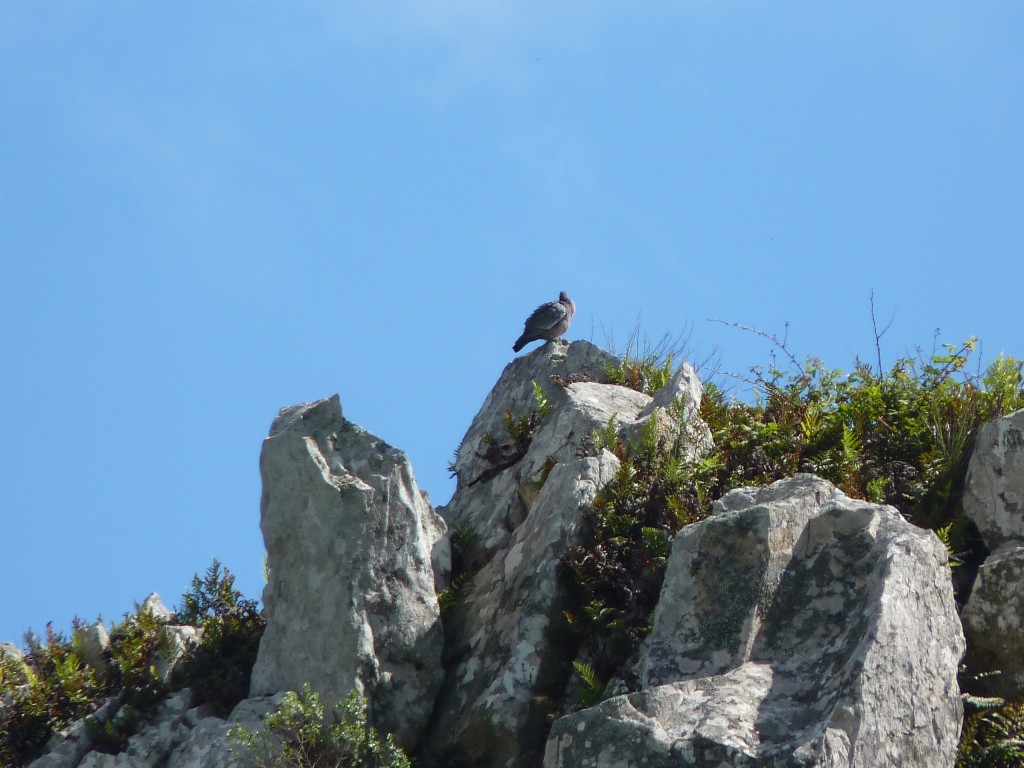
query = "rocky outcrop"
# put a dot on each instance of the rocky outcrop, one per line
(498, 480)
(796, 627)
(351, 599)
(517, 509)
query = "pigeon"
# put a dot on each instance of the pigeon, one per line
(548, 321)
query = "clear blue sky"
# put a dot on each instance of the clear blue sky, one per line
(212, 211)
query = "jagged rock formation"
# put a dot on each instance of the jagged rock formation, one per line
(498, 480)
(994, 625)
(796, 627)
(518, 511)
(351, 598)
(994, 500)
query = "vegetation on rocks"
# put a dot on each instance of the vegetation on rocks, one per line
(218, 670)
(993, 736)
(301, 734)
(900, 436)
(52, 686)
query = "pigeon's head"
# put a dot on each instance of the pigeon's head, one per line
(563, 296)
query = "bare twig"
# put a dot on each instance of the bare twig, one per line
(879, 334)
(773, 338)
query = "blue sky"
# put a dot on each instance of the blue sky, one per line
(212, 211)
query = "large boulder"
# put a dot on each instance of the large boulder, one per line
(994, 492)
(796, 626)
(350, 601)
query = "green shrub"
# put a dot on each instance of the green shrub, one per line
(51, 688)
(299, 734)
(219, 669)
(47, 689)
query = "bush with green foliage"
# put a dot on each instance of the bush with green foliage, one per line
(219, 669)
(51, 687)
(42, 692)
(300, 734)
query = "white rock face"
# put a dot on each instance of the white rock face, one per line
(994, 625)
(994, 500)
(351, 598)
(994, 493)
(796, 627)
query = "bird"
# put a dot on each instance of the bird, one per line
(548, 321)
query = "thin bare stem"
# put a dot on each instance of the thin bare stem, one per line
(879, 334)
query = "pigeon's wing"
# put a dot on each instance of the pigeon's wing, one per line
(545, 317)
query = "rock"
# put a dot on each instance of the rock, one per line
(505, 659)
(498, 482)
(994, 492)
(149, 747)
(351, 599)
(209, 744)
(178, 641)
(684, 387)
(994, 626)
(154, 605)
(796, 627)
(12, 653)
(742, 552)
(93, 640)
(67, 747)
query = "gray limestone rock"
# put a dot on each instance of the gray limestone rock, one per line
(209, 745)
(350, 541)
(178, 639)
(150, 747)
(994, 493)
(9, 651)
(994, 625)
(498, 483)
(154, 604)
(93, 641)
(796, 627)
(67, 747)
(504, 658)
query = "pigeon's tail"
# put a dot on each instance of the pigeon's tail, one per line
(521, 342)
